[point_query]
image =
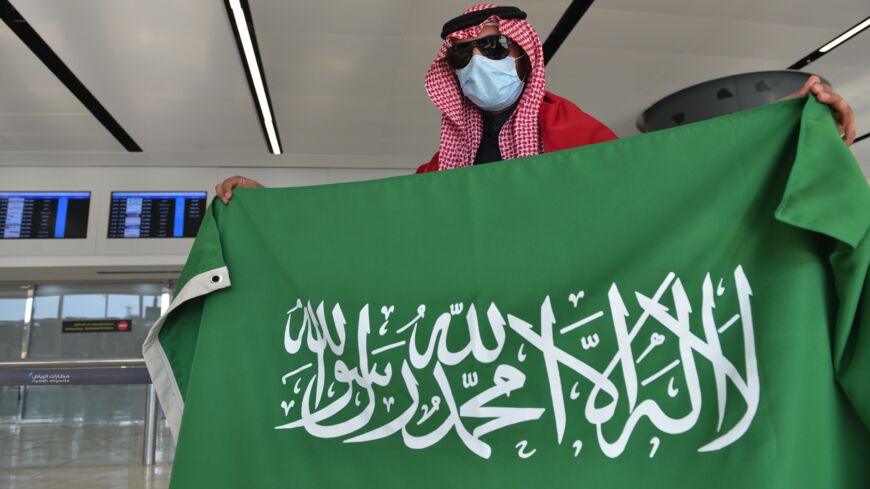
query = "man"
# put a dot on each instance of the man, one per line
(489, 52)
(488, 81)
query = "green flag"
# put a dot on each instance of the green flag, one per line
(685, 308)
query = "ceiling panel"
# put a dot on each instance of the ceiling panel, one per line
(37, 113)
(348, 17)
(331, 73)
(346, 78)
(626, 54)
(809, 13)
(169, 72)
(711, 36)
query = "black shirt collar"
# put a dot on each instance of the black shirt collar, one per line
(494, 123)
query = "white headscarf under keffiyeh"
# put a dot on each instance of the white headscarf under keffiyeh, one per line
(461, 121)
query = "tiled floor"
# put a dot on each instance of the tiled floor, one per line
(78, 456)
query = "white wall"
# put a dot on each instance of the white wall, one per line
(100, 258)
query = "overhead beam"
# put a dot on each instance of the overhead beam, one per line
(50, 59)
(563, 28)
(832, 44)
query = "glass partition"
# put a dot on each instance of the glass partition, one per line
(137, 304)
(76, 425)
(13, 306)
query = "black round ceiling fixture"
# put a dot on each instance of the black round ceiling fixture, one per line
(721, 96)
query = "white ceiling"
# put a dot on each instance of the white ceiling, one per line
(37, 111)
(346, 77)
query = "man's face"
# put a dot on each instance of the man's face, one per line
(523, 64)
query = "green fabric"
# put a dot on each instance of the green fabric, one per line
(685, 308)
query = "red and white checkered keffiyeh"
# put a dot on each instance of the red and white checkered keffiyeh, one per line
(461, 121)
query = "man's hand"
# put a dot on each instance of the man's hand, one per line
(224, 190)
(843, 113)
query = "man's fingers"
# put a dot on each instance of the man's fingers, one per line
(226, 192)
(851, 132)
(843, 113)
(808, 85)
(824, 93)
(812, 84)
(841, 106)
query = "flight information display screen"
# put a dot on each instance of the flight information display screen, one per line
(44, 215)
(156, 214)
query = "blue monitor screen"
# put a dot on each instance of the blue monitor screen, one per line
(44, 215)
(156, 214)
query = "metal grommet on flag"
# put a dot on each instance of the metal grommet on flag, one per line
(216, 279)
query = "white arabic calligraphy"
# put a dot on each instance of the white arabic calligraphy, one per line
(345, 415)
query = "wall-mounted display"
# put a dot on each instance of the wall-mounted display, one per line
(44, 215)
(156, 214)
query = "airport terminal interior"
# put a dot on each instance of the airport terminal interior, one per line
(118, 118)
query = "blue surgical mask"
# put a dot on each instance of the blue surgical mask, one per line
(492, 84)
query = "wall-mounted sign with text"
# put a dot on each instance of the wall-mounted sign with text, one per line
(97, 326)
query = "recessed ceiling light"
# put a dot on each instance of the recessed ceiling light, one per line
(846, 36)
(254, 73)
(864, 24)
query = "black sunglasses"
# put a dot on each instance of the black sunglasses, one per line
(496, 46)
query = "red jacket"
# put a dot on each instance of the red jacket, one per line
(563, 125)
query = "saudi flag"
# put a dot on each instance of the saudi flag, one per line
(686, 308)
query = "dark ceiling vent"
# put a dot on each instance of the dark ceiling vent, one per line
(719, 97)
